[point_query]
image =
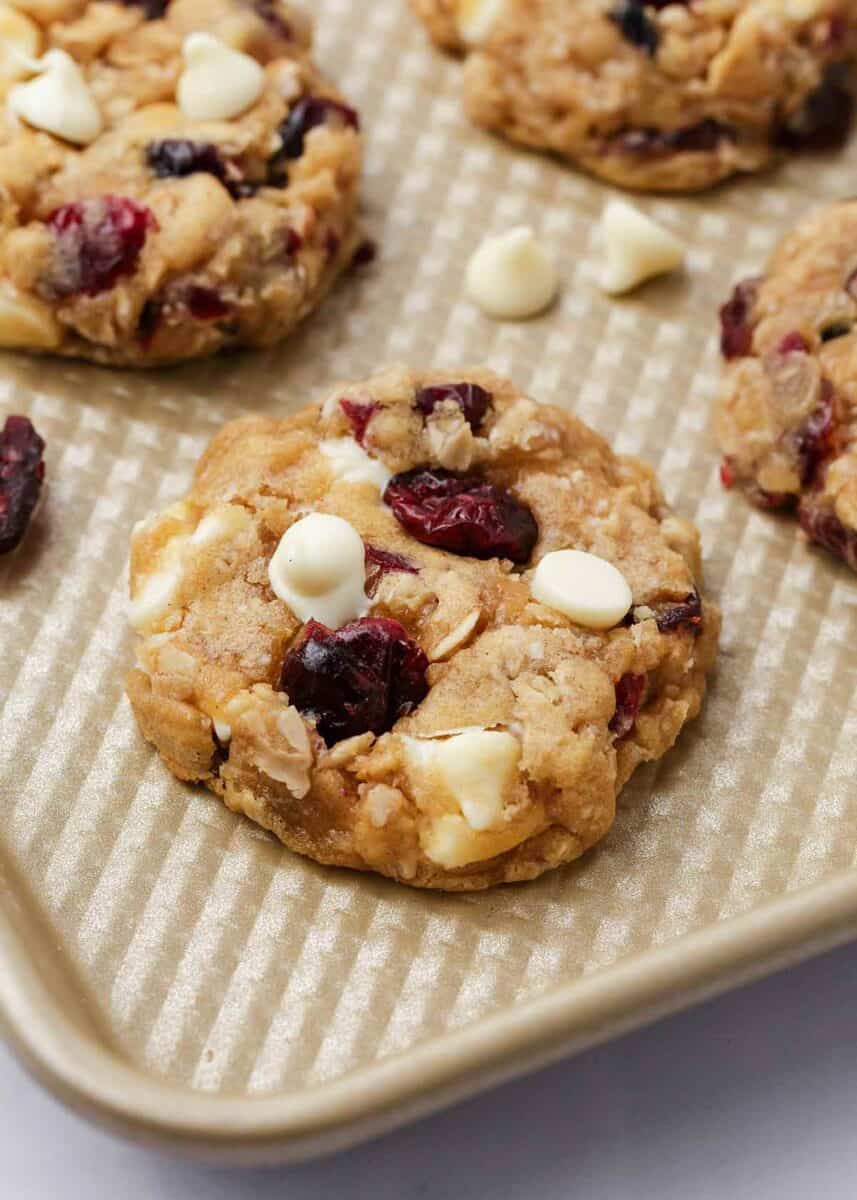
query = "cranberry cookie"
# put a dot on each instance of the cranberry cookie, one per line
(788, 412)
(655, 94)
(176, 178)
(427, 628)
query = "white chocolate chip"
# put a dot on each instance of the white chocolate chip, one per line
(223, 730)
(218, 83)
(319, 570)
(475, 770)
(20, 39)
(585, 587)
(58, 100)
(511, 275)
(156, 593)
(350, 463)
(220, 523)
(475, 19)
(449, 841)
(636, 248)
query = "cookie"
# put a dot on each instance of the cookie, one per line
(657, 96)
(427, 628)
(176, 178)
(788, 406)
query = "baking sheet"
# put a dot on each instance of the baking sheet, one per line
(169, 968)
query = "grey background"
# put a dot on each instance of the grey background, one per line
(750, 1095)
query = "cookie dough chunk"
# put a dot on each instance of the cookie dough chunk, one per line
(427, 628)
(787, 418)
(660, 95)
(176, 178)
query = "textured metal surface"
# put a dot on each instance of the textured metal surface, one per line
(206, 954)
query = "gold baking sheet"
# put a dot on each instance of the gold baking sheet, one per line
(170, 969)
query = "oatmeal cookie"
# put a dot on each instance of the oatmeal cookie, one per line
(787, 418)
(176, 178)
(427, 628)
(660, 95)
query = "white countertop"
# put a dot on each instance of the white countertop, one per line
(753, 1095)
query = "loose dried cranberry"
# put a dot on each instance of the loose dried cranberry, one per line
(361, 678)
(736, 333)
(821, 524)
(462, 513)
(814, 440)
(205, 304)
(793, 343)
(629, 697)
(659, 143)
(359, 414)
(309, 112)
(384, 562)
(687, 614)
(22, 470)
(153, 9)
(635, 26)
(97, 241)
(472, 399)
(824, 121)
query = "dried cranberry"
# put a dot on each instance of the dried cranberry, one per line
(686, 614)
(836, 329)
(149, 322)
(384, 562)
(359, 414)
(309, 112)
(293, 242)
(174, 158)
(821, 524)
(825, 118)
(361, 678)
(22, 470)
(629, 697)
(793, 343)
(814, 440)
(635, 26)
(365, 253)
(153, 9)
(269, 12)
(205, 304)
(97, 241)
(736, 333)
(472, 399)
(462, 513)
(728, 474)
(648, 142)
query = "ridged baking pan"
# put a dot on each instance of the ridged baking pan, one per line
(168, 968)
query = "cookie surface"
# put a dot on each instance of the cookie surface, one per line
(788, 407)
(661, 96)
(459, 733)
(168, 236)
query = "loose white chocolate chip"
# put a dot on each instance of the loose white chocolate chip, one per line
(20, 39)
(350, 463)
(218, 83)
(585, 587)
(319, 570)
(475, 19)
(511, 275)
(58, 100)
(636, 248)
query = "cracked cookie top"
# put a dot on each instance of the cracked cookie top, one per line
(446, 711)
(655, 95)
(176, 178)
